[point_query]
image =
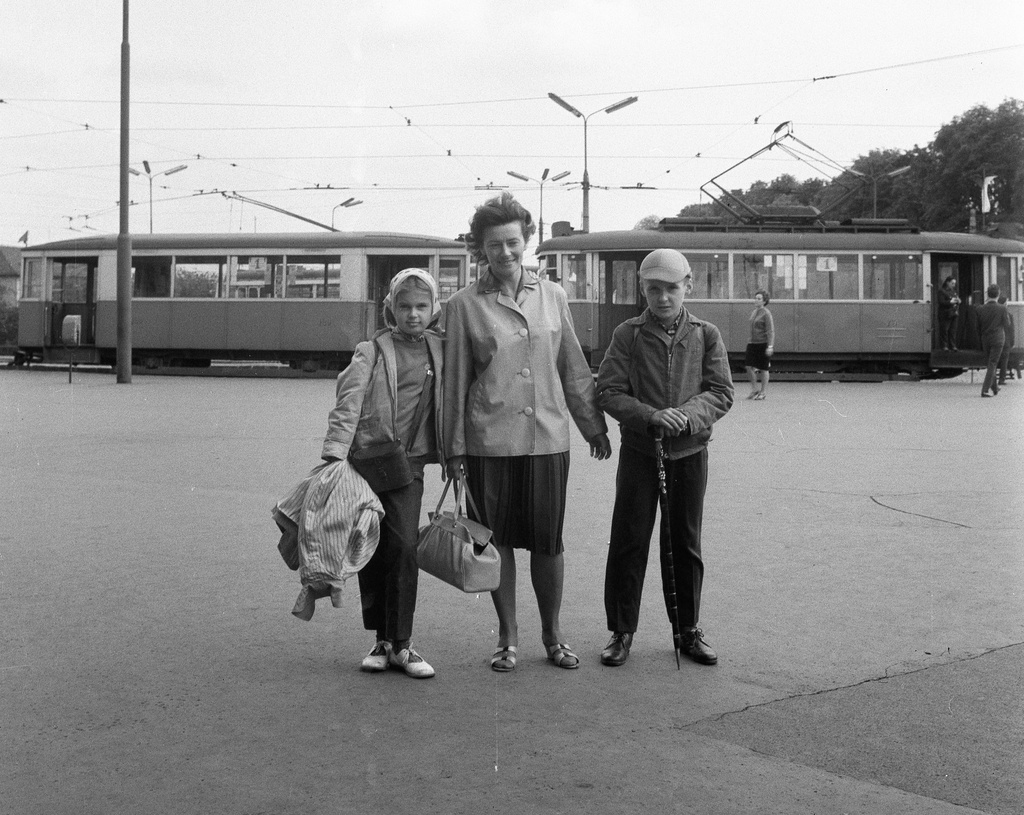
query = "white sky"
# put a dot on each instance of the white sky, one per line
(277, 95)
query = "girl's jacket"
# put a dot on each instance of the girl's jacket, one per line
(367, 394)
(645, 370)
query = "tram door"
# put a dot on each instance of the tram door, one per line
(970, 278)
(382, 268)
(620, 298)
(73, 292)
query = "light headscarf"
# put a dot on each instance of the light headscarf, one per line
(396, 284)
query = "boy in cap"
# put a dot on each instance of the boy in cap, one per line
(665, 376)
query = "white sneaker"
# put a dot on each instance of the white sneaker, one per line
(411, 662)
(377, 659)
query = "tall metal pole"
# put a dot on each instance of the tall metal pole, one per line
(586, 179)
(124, 238)
(542, 211)
(540, 181)
(586, 173)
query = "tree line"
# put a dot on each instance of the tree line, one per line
(936, 187)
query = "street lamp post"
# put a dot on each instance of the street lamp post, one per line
(874, 186)
(586, 174)
(348, 202)
(540, 181)
(151, 175)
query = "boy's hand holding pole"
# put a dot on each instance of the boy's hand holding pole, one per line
(671, 420)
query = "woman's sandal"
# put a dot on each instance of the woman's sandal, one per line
(504, 659)
(562, 655)
(759, 395)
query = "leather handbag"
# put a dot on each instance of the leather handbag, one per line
(384, 466)
(458, 550)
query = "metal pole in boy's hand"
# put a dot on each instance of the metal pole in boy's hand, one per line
(668, 569)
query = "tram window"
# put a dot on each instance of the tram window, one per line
(198, 277)
(772, 273)
(893, 277)
(250, 277)
(332, 274)
(32, 279)
(152, 277)
(710, 275)
(449, 277)
(827, 277)
(1004, 276)
(623, 291)
(314, 278)
(574, 276)
(69, 282)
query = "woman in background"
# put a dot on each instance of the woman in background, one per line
(761, 345)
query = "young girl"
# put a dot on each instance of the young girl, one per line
(378, 398)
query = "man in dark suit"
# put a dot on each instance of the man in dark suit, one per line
(1004, 358)
(993, 323)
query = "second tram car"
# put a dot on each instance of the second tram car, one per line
(855, 298)
(301, 298)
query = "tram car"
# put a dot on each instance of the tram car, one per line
(305, 299)
(853, 298)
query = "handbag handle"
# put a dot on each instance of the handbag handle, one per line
(463, 487)
(460, 489)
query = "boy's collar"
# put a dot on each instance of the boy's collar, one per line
(681, 319)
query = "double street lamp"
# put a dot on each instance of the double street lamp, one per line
(586, 174)
(874, 179)
(151, 175)
(348, 202)
(540, 181)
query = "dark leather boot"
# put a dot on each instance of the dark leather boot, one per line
(693, 646)
(617, 650)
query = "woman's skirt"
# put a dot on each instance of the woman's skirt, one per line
(521, 499)
(757, 356)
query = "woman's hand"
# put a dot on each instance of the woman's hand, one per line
(671, 419)
(769, 350)
(600, 447)
(454, 466)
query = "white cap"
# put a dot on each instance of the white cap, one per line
(665, 264)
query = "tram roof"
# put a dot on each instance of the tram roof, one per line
(305, 241)
(639, 240)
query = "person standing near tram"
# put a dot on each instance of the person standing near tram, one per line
(993, 326)
(514, 374)
(948, 312)
(665, 376)
(758, 357)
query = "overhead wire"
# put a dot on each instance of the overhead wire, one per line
(422, 128)
(508, 100)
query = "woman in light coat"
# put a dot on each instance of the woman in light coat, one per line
(514, 374)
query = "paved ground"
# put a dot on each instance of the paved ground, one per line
(864, 572)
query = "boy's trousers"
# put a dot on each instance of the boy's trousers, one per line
(636, 504)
